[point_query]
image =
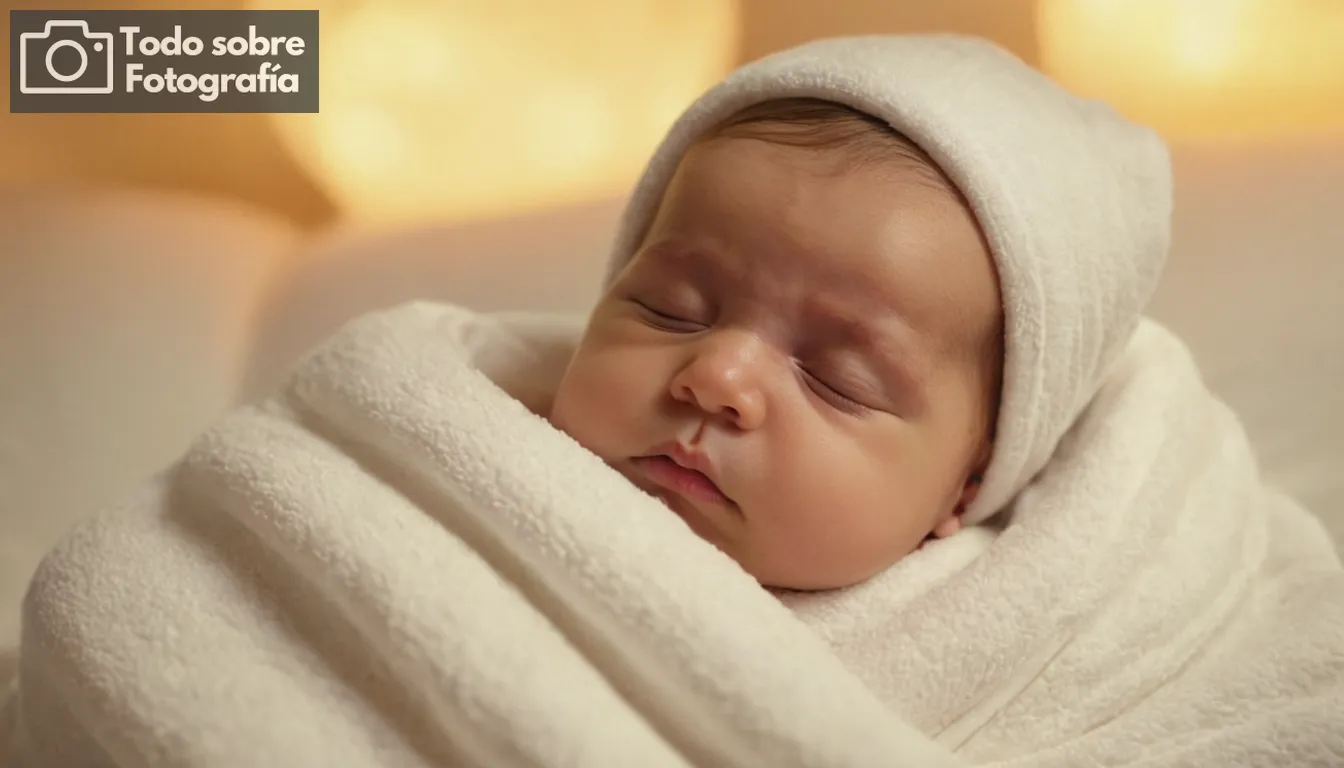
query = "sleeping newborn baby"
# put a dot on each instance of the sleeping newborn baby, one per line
(803, 357)
(869, 293)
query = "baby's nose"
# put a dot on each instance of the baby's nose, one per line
(724, 379)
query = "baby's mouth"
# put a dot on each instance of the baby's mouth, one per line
(667, 472)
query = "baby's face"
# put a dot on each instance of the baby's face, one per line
(794, 361)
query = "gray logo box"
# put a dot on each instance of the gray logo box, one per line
(163, 61)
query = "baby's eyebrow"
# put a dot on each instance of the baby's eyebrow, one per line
(696, 261)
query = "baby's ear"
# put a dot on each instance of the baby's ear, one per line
(952, 523)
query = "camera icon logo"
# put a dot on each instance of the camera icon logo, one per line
(37, 51)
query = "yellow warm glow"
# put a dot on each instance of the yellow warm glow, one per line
(452, 109)
(1203, 68)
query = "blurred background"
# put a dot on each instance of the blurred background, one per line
(157, 269)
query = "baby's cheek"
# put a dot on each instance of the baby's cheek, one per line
(598, 402)
(840, 513)
(577, 412)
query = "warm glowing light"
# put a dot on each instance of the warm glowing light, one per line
(1203, 68)
(468, 108)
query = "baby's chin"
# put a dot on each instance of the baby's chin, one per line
(799, 576)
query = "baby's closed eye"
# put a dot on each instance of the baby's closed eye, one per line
(843, 386)
(669, 317)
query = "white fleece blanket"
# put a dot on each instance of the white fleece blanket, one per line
(395, 562)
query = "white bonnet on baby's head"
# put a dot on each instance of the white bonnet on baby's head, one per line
(1074, 201)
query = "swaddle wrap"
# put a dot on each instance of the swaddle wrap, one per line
(395, 560)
